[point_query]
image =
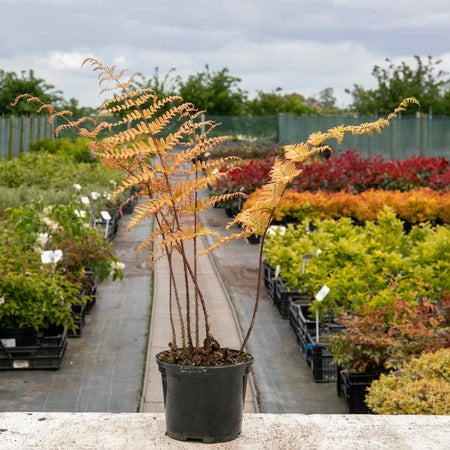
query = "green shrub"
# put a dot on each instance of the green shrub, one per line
(76, 150)
(421, 387)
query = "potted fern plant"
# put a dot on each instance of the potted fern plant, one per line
(158, 144)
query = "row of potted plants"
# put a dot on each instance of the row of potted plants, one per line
(350, 171)
(414, 206)
(387, 294)
(362, 264)
(51, 262)
(347, 172)
(52, 173)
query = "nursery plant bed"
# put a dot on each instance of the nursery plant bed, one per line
(46, 352)
(352, 388)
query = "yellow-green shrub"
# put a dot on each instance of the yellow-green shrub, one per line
(420, 387)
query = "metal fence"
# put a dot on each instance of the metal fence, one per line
(16, 132)
(406, 136)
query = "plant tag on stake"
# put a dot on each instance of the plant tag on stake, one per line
(322, 293)
(277, 271)
(105, 215)
(319, 297)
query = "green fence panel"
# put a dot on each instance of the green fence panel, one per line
(406, 136)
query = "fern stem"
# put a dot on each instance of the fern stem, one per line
(258, 284)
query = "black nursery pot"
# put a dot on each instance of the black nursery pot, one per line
(204, 403)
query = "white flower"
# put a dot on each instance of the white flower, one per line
(2, 300)
(117, 265)
(77, 187)
(47, 210)
(51, 224)
(42, 239)
(95, 195)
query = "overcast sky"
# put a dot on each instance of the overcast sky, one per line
(302, 46)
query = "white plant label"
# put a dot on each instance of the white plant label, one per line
(50, 256)
(277, 271)
(8, 343)
(21, 364)
(322, 293)
(84, 200)
(105, 215)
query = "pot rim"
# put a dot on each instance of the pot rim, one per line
(203, 368)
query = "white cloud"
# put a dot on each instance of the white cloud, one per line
(65, 60)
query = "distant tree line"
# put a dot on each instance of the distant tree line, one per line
(219, 92)
(12, 85)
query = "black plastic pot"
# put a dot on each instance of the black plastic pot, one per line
(204, 403)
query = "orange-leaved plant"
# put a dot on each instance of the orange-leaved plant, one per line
(159, 152)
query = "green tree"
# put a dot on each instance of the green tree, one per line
(269, 103)
(426, 82)
(164, 86)
(216, 92)
(12, 85)
(328, 101)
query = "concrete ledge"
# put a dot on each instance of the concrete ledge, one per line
(260, 431)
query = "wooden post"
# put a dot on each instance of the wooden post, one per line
(39, 123)
(22, 132)
(32, 116)
(12, 121)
